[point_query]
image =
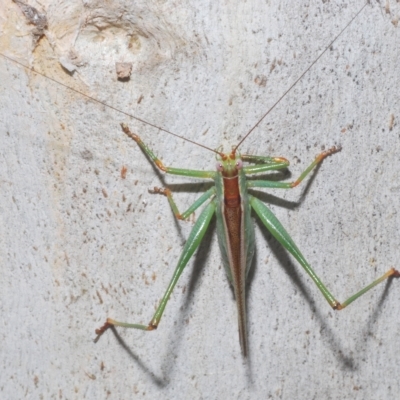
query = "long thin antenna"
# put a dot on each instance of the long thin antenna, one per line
(298, 79)
(107, 105)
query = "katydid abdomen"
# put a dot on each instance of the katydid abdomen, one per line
(235, 234)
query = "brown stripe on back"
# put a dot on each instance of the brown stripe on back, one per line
(234, 230)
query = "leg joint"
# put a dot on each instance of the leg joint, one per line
(338, 306)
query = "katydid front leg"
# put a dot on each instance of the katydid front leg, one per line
(281, 164)
(159, 164)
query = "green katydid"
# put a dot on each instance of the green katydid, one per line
(232, 205)
(230, 201)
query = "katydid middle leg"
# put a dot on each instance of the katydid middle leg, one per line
(182, 216)
(279, 232)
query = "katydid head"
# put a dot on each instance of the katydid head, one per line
(229, 164)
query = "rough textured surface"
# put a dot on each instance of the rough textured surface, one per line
(80, 243)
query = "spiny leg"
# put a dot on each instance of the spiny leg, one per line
(279, 232)
(175, 171)
(290, 185)
(193, 242)
(182, 216)
(159, 163)
(264, 164)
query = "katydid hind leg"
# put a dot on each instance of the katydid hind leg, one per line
(270, 221)
(191, 245)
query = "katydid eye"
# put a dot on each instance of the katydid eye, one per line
(220, 167)
(239, 164)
